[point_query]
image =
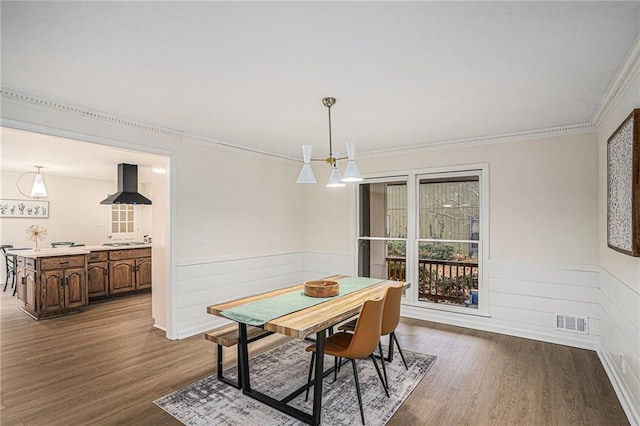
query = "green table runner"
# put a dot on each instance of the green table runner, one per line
(262, 311)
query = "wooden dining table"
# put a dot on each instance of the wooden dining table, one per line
(302, 324)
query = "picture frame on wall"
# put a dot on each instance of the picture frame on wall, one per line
(24, 209)
(623, 187)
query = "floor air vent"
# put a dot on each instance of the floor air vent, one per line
(572, 323)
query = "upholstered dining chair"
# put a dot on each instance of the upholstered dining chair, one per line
(390, 321)
(357, 345)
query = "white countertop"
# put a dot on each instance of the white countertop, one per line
(69, 251)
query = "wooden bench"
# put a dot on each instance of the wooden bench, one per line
(228, 336)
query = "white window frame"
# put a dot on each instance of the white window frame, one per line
(120, 236)
(412, 178)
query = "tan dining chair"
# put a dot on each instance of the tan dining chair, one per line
(357, 345)
(390, 321)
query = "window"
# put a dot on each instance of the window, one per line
(448, 234)
(429, 229)
(383, 229)
(122, 222)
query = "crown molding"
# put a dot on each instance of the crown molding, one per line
(187, 137)
(627, 72)
(184, 136)
(489, 139)
(35, 100)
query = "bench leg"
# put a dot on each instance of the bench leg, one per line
(220, 372)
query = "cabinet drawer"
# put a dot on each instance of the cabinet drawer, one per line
(129, 253)
(26, 262)
(62, 262)
(98, 256)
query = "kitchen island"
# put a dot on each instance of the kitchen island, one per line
(58, 281)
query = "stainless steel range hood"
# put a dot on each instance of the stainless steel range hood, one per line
(127, 187)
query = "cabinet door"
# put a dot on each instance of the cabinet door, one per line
(29, 289)
(143, 273)
(20, 273)
(75, 288)
(121, 276)
(51, 291)
(98, 279)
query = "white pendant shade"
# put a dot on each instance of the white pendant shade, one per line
(351, 173)
(306, 174)
(334, 179)
(38, 189)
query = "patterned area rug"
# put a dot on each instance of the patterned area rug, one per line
(283, 369)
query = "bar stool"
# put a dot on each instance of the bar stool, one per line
(62, 243)
(10, 267)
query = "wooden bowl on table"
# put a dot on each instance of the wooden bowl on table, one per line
(321, 288)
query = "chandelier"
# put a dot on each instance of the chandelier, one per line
(351, 172)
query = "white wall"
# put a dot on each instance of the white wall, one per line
(75, 213)
(620, 275)
(542, 236)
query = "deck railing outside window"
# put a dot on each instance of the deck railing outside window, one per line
(440, 281)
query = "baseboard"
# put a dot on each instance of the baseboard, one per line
(484, 324)
(203, 328)
(623, 396)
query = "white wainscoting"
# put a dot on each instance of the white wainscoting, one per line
(204, 282)
(620, 334)
(318, 265)
(524, 299)
(208, 281)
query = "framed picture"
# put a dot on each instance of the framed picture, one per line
(24, 209)
(623, 187)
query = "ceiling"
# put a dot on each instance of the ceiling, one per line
(252, 74)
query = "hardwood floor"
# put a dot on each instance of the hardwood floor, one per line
(107, 364)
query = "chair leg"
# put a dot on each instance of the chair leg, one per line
(335, 368)
(373, 358)
(384, 369)
(313, 359)
(355, 376)
(15, 284)
(393, 335)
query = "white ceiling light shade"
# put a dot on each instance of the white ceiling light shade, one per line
(38, 189)
(306, 174)
(335, 181)
(352, 174)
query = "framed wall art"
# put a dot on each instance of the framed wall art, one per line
(24, 209)
(623, 187)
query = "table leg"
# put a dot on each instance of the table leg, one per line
(319, 374)
(243, 362)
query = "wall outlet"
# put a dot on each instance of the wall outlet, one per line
(205, 239)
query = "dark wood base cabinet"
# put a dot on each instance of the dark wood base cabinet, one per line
(129, 270)
(51, 286)
(55, 285)
(98, 274)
